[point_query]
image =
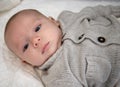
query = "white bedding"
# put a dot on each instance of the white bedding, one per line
(12, 72)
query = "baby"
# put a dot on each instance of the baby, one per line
(33, 37)
(79, 50)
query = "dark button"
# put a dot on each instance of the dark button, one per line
(101, 39)
(88, 19)
(80, 37)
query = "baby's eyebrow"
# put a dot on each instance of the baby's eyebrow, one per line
(35, 25)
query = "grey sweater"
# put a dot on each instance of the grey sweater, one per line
(90, 53)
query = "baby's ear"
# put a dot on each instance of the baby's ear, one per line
(55, 21)
(51, 18)
(66, 17)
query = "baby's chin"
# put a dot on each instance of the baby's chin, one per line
(51, 52)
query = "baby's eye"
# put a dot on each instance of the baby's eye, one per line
(25, 47)
(37, 28)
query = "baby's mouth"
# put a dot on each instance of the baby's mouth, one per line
(44, 47)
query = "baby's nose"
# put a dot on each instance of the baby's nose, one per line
(36, 41)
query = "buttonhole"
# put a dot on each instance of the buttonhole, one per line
(81, 36)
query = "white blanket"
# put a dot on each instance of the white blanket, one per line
(13, 73)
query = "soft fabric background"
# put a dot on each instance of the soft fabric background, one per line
(13, 73)
(8, 4)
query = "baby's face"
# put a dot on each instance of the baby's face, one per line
(34, 39)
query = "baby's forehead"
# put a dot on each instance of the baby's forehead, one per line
(29, 13)
(21, 17)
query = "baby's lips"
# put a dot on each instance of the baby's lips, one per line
(44, 47)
